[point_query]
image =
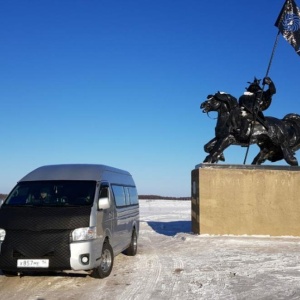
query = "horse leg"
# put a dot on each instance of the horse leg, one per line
(217, 152)
(288, 155)
(209, 148)
(210, 156)
(261, 157)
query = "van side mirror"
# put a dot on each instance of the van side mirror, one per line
(103, 203)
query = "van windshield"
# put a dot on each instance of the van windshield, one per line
(52, 193)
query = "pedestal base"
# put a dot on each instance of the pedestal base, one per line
(246, 200)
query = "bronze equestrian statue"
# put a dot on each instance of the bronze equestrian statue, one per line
(243, 123)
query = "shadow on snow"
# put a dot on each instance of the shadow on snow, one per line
(171, 228)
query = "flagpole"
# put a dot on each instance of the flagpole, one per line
(263, 87)
(273, 51)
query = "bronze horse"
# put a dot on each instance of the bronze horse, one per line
(277, 139)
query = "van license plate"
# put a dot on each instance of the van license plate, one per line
(33, 263)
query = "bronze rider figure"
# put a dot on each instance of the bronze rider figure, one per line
(252, 103)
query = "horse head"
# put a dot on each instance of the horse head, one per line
(219, 101)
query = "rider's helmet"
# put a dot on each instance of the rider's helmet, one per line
(254, 86)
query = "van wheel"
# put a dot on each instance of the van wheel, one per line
(107, 261)
(132, 249)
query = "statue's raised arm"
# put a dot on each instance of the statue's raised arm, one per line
(267, 95)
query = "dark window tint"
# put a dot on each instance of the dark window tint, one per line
(53, 193)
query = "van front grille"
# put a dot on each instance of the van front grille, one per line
(52, 244)
(17, 254)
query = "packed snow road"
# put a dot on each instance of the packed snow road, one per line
(172, 263)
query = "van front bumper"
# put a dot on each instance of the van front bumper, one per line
(85, 255)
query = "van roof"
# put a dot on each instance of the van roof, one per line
(72, 172)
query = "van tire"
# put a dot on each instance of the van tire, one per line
(107, 261)
(132, 249)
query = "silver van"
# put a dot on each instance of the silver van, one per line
(69, 217)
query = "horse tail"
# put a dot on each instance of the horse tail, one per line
(292, 117)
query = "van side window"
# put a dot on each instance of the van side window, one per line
(125, 195)
(119, 195)
(133, 195)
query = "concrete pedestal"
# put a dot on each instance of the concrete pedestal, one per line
(250, 200)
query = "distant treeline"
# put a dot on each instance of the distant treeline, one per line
(142, 197)
(155, 197)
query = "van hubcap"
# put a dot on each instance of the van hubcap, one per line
(105, 261)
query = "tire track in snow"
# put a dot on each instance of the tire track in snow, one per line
(175, 278)
(143, 287)
(163, 271)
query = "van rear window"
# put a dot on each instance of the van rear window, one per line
(52, 193)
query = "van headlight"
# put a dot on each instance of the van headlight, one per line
(2, 234)
(84, 234)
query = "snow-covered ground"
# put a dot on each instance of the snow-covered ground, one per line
(173, 263)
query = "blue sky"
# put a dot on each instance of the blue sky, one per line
(119, 82)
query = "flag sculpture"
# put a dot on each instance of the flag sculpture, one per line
(288, 23)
